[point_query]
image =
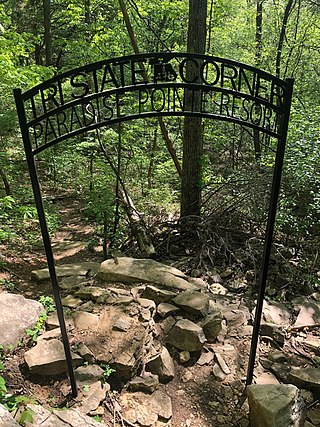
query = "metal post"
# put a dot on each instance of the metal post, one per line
(45, 236)
(270, 228)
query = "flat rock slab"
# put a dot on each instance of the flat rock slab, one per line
(6, 419)
(18, 312)
(131, 270)
(48, 358)
(66, 270)
(308, 378)
(146, 410)
(273, 405)
(64, 418)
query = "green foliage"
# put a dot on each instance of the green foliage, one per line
(49, 306)
(35, 331)
(19, 219)
(48, 303)
(107, 371)
(26, 417)
(7, 284)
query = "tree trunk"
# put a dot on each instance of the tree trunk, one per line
(47, 31)
(87, 11)
(192, 132)
(286, 15)
(256, 133)
(5, 181)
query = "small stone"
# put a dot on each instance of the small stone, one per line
(52, 321)
(85, 321)
(85, 353)
(205, 358)
(89, 374)
(224, 367)
(157, 295)
(6, 419)
(308, 378)
(93, 396)
(187, 376)
(93, 293)
(184, 356)
(218, 373)
(218, 289)
(146, 384)
(277, 356)
(314, 416)
(122, 324)
(145, 315)
(165, 309)
(49, 335)
(273, 331)
(71, 301)
(215, 277)
(211, 325)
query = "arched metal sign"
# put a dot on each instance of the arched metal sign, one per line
(152, 85)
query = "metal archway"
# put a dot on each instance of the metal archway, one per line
(153, 85)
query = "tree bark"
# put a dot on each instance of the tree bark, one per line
(5, 181)
(192, 132)
(258, 53)
(47, 31)
(286, 15)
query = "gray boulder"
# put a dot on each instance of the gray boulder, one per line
(147, 384)
(211, 325)
(18, 312)
(193, 302)
(186, 335)
(274, 405)
(162, 366)
(65, 270)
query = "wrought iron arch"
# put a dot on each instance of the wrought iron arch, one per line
(152, 85)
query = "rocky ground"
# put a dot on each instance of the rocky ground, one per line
(178, 345)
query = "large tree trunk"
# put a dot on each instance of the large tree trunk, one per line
(47, 31)
(192, 132)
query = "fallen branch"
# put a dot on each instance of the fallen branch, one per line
(138, 227)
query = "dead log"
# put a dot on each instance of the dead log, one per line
(138, 226)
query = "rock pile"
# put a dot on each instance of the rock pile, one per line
(145, 330)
